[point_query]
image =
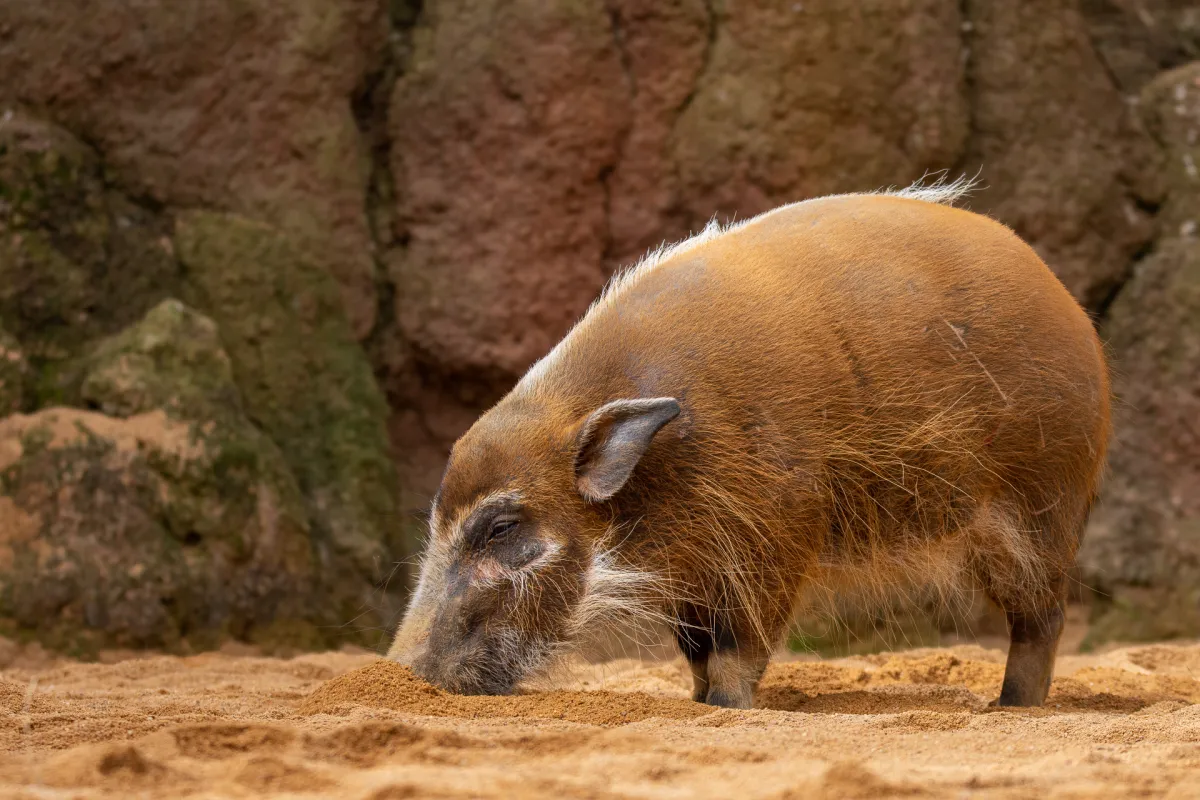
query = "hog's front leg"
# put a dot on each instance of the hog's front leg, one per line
(695, 642)
(733, 676)
(726, 667)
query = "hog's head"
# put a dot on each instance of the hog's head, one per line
(519, 554)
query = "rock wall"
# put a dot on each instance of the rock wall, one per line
(175, 473)
(434, 191)
(1144, 548)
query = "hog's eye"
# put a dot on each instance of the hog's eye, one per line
(501, 527)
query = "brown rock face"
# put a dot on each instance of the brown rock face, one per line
(535, 146)
(798, 100)
(536, 149)
(502, 133)
(1144, 543)
(1055, 143)
(664, 49)
(1137, 39)
(239, 105)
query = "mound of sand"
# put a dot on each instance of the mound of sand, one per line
(913, 724)
(385, 684)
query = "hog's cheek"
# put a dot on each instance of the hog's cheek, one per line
(488, 572)
(521, 553)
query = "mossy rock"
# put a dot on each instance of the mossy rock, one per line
(117, 533)
(164, 515)
(280, 407)
(1145, 614)
(173, 361)
(303, 379)
(78, 260)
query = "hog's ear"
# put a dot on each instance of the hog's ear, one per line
(613, 439)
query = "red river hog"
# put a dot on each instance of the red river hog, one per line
(866, 390)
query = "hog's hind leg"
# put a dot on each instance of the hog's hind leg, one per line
(1034, 610)
(1022, 563)
(1033, 644)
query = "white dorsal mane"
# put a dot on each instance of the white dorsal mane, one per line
(940, 191)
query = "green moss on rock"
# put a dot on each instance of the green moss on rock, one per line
(98, 549)
(78, 260)
(13, 373)
(173, 361)
(230, 474)
(1144, 614)
(304, 380)
(164, 515)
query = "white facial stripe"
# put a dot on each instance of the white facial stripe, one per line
(495, 498)
(435, 517)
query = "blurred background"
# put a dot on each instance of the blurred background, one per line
(262, 262)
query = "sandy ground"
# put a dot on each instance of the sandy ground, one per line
(915, 724)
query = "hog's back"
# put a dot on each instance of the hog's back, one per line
(871, 344)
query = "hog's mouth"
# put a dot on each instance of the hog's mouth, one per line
(486, 666)
(466, 680)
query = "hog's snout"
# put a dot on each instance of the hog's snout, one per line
(468, 671)
(456, 650)
(467, 661)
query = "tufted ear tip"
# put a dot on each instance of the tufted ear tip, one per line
(613, 440)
